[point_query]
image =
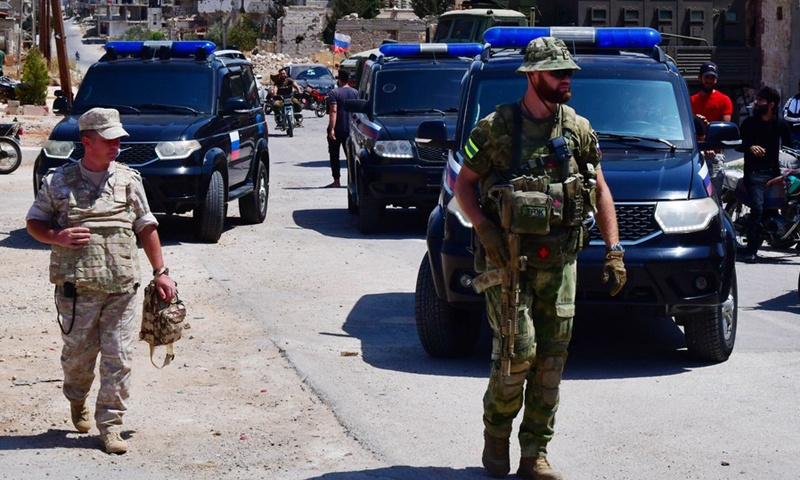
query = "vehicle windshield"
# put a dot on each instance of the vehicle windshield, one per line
(314, 74)
(621, 110)
(182, 87)
(403, 92)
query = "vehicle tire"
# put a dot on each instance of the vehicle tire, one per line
(209, 218)
(320, 110)
(739, 214)
(253, 207)
(710, 335)
(352, 206)
(369, 214)
(10, 156)
(444, 331)
(290, 127)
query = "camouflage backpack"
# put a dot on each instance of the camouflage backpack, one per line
(162, 322)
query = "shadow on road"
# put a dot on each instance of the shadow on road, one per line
(398, 223)
(602, 347)
(20, 239)
(51, 439)
(786, 302)
(405, 472)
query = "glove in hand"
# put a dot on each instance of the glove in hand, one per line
(615, 265)
(492, 240)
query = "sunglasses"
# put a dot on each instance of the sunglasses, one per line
(561, 74)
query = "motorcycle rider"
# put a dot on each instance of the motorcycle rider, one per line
(791, 114)
(762, 135)
(284, 84)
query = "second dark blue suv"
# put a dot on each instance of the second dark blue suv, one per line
(680, 247)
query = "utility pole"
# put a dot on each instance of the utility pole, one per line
(44, 30)
(61, 49)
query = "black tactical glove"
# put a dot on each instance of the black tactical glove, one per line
(492, 241)
(615, 265)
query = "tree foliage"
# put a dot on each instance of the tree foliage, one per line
(424, 8)
(137, 33)
(364, 8)
(33, 90)
(243, 34)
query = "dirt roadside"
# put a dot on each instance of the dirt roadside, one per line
(230, 406)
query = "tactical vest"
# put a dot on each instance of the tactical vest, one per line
(551, 198)
(109, 262)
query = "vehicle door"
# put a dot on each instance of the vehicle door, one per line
(241, 123)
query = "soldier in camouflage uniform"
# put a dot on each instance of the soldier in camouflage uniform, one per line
(91, 212)
(508, 145)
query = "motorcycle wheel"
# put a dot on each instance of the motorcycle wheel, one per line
(738, 213)
(320, 110)
(10, 155)
(289, 128)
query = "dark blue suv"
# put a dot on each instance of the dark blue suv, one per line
(198, 134)
(679, 244)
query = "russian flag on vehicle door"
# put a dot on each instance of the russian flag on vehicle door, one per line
(341, 42)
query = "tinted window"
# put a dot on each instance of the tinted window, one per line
(442, 30)
(314, 73)
(137, 86)
(412, 90)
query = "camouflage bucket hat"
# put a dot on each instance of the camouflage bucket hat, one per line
(547, 53)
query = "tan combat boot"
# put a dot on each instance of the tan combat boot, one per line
(113, 443)
(537, 468)
(495, 455)
(81, 417)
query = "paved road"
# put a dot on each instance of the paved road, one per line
(634, 405)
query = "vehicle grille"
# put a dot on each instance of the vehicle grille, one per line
(130, 153)
(432, 154)
(636, 223)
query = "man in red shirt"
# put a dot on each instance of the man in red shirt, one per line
(711, 105)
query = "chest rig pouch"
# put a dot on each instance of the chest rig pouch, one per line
(551, 198)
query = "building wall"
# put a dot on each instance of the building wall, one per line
(300, 31)
(774, 28)
(368, 34)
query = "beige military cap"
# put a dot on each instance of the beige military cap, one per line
(104, 121)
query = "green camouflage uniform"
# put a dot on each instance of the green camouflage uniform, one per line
(547, 286)
(106, 275)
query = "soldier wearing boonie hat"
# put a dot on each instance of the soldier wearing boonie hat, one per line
(510, 146)
(91, 212)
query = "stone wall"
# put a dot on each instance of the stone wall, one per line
(300, 30)
(780, 56)
(368, 34)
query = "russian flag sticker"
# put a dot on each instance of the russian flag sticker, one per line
(234, 145)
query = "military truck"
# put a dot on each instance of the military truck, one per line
(467, 26)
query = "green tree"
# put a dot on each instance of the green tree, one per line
(244, 33)
(341, 8)
(136, 34)
(33, 90)
(423, 8)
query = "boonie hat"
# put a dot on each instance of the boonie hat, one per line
(104, 121)
(547, 53)
(709, 68)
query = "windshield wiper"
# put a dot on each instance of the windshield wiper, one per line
(110, 105)
(164, 106)
(407, 111)
(635, 138)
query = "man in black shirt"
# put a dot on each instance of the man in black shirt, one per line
(762, 137)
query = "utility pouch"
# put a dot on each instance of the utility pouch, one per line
(560, 211)
(531, 212)
(574, 209)
(530, 183)
(589, 200)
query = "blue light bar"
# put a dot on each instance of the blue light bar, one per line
(418, 49)
(610, 37)
(177, 48)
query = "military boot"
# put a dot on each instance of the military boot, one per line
(81, 417)
(113, 443)
(495, 455)
(537, 468)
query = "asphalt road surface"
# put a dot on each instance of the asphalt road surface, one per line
(634, 405)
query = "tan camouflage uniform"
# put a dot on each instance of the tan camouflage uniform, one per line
(547, 287)
(106, 273)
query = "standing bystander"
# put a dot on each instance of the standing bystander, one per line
(711, 105)
(91, 212)
(762, 137)
(339, 123)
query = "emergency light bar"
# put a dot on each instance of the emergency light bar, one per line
(605, 37)
(178, 49)
(418, 49)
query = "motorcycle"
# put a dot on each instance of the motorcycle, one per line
(10, 151)
(286, 118)
(781, 220)
(8, 88)
(314, 98)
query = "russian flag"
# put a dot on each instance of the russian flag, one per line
(341, 42)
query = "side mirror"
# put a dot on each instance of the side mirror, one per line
(59, 93)
(60, 105)
(235, 103)
(357, 105)
(433, 133)
(721, 135)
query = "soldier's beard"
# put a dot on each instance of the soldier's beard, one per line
(553, 95)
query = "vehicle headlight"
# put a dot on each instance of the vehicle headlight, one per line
(58, 149)
(394, 148)
(685, 216)
(176, 150)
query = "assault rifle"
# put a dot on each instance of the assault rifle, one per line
(507, 277)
